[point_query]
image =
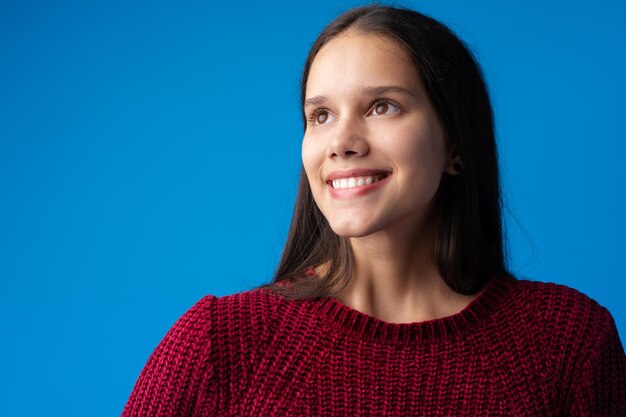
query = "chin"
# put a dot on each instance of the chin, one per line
(352, 230)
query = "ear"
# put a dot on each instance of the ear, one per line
(454, 163)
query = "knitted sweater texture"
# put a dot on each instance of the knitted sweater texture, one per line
(521, 348)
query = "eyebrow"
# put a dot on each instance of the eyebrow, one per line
(371, 91)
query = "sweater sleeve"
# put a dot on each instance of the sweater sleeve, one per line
(601, 389)
(177, 378)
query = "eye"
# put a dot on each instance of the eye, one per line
(384, 107)
(321, 117)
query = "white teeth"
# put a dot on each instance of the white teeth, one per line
(353, 182)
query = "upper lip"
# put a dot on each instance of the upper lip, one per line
(356, 172)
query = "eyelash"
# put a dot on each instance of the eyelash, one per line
(313, 116)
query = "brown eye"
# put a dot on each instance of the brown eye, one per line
(381, 108)
(384, 107)
(321, 117)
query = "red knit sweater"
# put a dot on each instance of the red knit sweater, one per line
(521, 348)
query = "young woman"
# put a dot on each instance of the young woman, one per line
(392, 296)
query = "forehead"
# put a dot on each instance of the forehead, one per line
(356, 60)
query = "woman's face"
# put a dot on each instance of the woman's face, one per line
(373, 150)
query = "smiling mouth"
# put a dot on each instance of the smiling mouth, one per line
(354, 182)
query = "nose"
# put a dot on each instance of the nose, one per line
(349, 139)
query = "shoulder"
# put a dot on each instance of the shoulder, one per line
(558, 303)
(562, 320)
(582, 351)
(253, 303)
(219, 317)
(249, 310)
(246, 307)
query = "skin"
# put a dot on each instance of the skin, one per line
(398, 131)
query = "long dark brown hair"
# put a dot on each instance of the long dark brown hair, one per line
(469, 243)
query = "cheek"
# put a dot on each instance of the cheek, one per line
(424, 148)
(306, 159)
(312, 158)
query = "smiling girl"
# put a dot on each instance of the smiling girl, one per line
(392, 296)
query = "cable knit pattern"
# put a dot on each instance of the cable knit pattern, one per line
(521, 348)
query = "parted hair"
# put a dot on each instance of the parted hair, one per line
(468, 245)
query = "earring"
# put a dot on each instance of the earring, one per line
(457, 167)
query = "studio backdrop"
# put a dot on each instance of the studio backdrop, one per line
(150, 153)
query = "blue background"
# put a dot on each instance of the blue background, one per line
(149, 154)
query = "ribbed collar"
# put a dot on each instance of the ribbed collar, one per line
(366, 327)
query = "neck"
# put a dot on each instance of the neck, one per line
(397, 279)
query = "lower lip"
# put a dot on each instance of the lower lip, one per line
(356, 191)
